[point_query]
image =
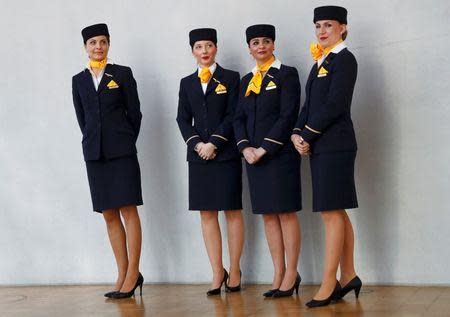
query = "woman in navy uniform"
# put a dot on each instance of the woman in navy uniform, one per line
(324, 131)
(207, 100)
(107, 108)
(268, 105)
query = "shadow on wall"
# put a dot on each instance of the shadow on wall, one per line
(375, 222)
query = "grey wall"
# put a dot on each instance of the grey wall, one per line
(48, 233)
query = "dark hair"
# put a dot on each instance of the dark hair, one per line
(344, 35)
(107, 39)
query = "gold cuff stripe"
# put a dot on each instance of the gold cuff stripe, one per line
(297, 129)
(244, 140)
(267, 139)
(219, 136)
(312, 130)
(194, 136)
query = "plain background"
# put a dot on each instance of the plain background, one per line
(48, 232)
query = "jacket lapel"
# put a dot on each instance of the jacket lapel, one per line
(196, 85)
(88, 83)
(215, 80)
(105, 79)
(271, 73)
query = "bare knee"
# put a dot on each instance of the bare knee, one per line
(332, 216)
(288, 216)
(111, 216)
(271, 220)
(129, 213)
(233, 216)
(208, 216)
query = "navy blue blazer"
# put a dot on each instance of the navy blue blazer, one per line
(110, 117)
(212, 113)
(324, 121)
(266, 120)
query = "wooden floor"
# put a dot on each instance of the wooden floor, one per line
(190, 300)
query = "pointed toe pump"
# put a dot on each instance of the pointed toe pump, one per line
(216, 291)
(139, 282)
(232, 289)
(289, 292)
(334, 296)
(355, 284)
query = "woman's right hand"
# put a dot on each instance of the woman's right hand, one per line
(300, 145)
(249, 155)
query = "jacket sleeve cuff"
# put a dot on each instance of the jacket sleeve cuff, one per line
(309, 134)
(242, 144)
(192, 141)
(271, 145)
(296, 131)
(218, 140)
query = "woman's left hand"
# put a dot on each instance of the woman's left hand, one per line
(207, 151)
(259, 152)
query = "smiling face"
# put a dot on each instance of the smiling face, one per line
(261, 48)
(205, 53)
(329, 32)
(97, 48)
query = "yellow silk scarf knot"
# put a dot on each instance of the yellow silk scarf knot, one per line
(205, 75)
(317, 51)
(256, 81)
(97, 64)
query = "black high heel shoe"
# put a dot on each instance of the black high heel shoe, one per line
(270, 292)
(290, 291)
(334, 296)
(232, 289)
(139, 282)
(216, 291)
(110, 294)
(354, 284)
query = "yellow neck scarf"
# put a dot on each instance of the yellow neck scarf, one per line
(256, 81)
(205, 75)
(317, 51)
(96, 64)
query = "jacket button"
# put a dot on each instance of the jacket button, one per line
(204, 104)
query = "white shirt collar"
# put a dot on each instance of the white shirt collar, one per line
(276, 64)
(335, 50)
(212, 68)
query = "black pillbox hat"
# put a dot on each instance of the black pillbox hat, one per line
(94, 30)
(260, 30)
(330, 13)
(205, 34)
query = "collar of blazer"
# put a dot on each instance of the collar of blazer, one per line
(213, 82)
(107, 76)
(270, 75)
(325, 64)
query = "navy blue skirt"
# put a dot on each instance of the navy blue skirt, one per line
(215, 185)
(114, 183)
(275, 184)
(333, 181)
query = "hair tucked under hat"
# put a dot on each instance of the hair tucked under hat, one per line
(260, 30)
(204, 34)
(330, 13)
(94, 30)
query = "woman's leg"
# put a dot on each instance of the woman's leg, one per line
(235, 229)
(134, 238)
(347, 264)
(213, 243)
(117, 238)
(274, 238)
(290, 228)
(334, 241)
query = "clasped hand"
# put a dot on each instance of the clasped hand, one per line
(300, 145)
(253, 155)
(206, 151)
